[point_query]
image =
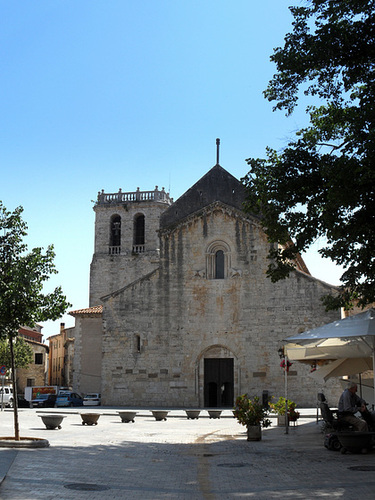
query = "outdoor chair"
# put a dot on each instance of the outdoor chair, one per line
(321, 399)
(331, 421)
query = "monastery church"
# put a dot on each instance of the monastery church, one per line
(181, 312)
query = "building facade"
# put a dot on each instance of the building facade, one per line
(181, 311)
(36, 373)
(61, 353)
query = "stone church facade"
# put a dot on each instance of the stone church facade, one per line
(181, 311)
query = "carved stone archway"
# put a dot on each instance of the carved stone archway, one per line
(218, 377)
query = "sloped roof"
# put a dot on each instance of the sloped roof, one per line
(216, 185)
(87, 311)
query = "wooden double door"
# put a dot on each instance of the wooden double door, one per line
(218, 382)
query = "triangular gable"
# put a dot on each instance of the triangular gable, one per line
(208, 210)
(216, 185)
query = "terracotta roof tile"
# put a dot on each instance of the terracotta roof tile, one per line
(88, 310)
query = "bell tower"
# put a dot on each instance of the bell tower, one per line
(126, 239)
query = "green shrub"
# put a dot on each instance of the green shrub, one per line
(250, 412)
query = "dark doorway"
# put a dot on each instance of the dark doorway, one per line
(218, 382)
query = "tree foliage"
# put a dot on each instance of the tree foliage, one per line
(22, 277)
(322, 183)
(23, 354)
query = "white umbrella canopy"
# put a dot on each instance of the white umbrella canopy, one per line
(352, 337)
(328, 349)
(342, 367)
(360, 325)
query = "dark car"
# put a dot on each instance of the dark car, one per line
(67, 398)
(44, 401)
(22, 402)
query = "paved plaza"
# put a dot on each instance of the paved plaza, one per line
(177, 459)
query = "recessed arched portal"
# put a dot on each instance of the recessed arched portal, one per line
(218, 377)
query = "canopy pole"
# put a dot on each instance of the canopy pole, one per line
(286, 392)
(373, 368)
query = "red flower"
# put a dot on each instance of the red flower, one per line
(288, 364)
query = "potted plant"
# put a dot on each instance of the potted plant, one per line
(252, 414)
(293, 414)
(279, 408)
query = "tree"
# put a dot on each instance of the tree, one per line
(322, 183)
(22, 277)
(23, 354)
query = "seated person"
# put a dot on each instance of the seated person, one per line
(349, 405)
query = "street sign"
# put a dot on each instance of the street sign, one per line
(3, 370)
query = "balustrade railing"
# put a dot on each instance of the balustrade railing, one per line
(114, 250)
(138, 248)
(120, 197)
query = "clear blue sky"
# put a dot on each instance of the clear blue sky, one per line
(109, 94)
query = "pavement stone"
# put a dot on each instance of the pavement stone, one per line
(176, 459)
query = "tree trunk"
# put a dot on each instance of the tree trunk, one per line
(15, 398)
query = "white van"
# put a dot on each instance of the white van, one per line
(6, 395)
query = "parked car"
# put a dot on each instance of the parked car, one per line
(92, 399)
(22, 402)
(44, 401)
(6, 395)
(69, 399)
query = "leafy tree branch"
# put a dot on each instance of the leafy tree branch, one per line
(322, 183)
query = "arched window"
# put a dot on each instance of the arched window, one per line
(139, 234)
(115, 235)
(218, 257)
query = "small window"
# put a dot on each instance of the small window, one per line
(138, 343)
(38, 358)
(219, 265)
(30, 382)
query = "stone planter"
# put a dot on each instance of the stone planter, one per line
(52, 421)
(192, 414)
(160, 414)
(214, 413)
(281, 420)
(23, 442)
(127, 416)
(90, 418)
(254, 433)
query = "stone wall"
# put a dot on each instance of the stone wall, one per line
(87, 362)
(108, 273)
(158, 331)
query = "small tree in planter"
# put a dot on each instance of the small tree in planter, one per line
(279, 408)
(252, 414)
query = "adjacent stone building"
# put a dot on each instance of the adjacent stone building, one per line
(36, 373)
(61, 353)
(181, 311)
